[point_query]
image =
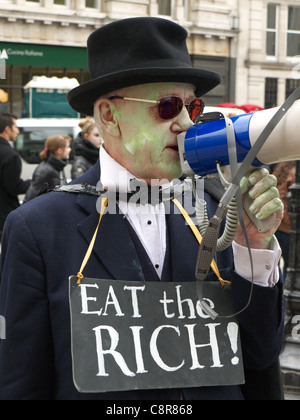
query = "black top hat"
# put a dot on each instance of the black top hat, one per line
(136, 51)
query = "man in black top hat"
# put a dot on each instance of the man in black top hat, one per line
(134, 51)
(143, 93)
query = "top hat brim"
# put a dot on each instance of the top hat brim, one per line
(83, 97)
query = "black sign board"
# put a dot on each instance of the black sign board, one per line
(146, 335)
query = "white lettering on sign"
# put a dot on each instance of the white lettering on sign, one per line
(114, 340)
(29, 53)
(134, 299)
(155, 353)
(213, 343)
(154, 350)
(111, 299)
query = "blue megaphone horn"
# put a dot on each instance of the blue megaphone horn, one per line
(205, 144)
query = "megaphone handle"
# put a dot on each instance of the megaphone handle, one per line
(207, 248)
(262, 225)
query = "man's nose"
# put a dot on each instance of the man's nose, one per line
(183, 121)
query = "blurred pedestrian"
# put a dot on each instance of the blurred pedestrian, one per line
(11, 185)
(50, 171)
(86, 148)
(285, 173)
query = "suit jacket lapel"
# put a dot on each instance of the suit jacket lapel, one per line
(113, 246)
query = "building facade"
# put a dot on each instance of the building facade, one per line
(268, 53)
(254, 44)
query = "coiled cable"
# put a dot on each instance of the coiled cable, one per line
(231, 223)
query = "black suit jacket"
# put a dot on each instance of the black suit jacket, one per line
(44, 243)
(10, 183)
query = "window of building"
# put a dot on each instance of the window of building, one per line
(271, 92)
(290, 86)
(271, 42)
(33, 1)
(92, 4)
(165, 7)
(60, 2)
(293, 33)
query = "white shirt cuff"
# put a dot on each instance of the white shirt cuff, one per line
(265, 263)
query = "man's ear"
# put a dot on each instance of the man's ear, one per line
(108, 116)
(7, 130)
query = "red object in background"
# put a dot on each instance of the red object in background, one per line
(228, 105)
(251, 108)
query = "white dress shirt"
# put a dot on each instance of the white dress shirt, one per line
(147, 220)
(149, 223)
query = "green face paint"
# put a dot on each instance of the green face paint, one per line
(149, 144)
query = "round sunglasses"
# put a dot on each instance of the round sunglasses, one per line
(170, 106)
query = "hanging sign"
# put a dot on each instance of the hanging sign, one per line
(147, 335)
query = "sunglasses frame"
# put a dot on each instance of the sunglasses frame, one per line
(149, 101)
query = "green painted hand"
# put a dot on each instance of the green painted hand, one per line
(261, 187)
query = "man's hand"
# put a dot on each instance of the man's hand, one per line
(261, 186)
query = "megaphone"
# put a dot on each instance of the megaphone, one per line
(257, 139)
(205, 144)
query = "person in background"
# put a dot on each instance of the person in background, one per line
(285, 173)
(50, 171)
(11, 185)
(86, 148)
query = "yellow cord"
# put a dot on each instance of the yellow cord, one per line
(91, 246)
